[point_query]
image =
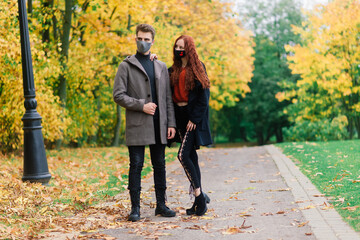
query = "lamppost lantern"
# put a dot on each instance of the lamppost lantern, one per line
(35, 162)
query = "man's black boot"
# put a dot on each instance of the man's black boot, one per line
(192, 210)
(201, 207)
(161, 208)
(135, 206)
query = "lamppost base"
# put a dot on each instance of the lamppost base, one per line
(41, 178)
(35, 163)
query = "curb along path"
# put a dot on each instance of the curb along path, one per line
(326, 224)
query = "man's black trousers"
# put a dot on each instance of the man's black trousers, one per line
(157, 153)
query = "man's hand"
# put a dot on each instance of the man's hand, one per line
(150, 108)
(171, 133)
(190, 126)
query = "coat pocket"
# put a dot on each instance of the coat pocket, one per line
(134, 118)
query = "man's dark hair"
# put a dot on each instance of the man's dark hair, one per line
(145, 28)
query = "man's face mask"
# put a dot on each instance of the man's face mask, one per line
(179, 53)
(143, 46)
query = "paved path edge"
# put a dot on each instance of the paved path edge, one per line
(326, 224)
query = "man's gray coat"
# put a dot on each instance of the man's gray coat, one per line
(132, 90)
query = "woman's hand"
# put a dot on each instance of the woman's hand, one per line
(153, 56)
(190, 126)
(171, 133)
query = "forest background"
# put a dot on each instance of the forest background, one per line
(277, 73)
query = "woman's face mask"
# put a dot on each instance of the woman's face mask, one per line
(179, 53)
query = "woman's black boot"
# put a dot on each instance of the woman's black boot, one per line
(201, 207)
(207, 198)
(191, 211)
(135, 206)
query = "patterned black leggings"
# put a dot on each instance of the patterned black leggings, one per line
(187, 153)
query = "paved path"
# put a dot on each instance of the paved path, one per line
(256, 193)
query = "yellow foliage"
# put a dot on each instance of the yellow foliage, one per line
(11, 90)
(328, 61)
(102, 35)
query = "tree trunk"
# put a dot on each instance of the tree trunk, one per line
(357, 126)
(83, 27)
(279, 134)
(55, 27)
(350, 127)
(243, 134)
(269, 133)
(65, 42)
(29, 8)
(260, 137)
(116, 141)
(47, 5)
(95, 92)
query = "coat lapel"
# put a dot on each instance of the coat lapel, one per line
(136, 62)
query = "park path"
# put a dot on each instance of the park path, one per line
(256, 193)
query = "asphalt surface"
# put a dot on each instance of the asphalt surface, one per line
(256, 193)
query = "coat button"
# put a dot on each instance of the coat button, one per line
(146, 79)
(148, 95)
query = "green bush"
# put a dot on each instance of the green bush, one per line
(319, 130)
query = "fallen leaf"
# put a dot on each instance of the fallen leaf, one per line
(351, 209)
(256, 181)
(232, 230)
(340, 200)
(267, 214)
(327, 206)
(279, 190)
(307, 207)
(303, 224)
(244, 227)
(194, 227)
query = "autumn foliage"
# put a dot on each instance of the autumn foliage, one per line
(11, 90)
(326, 101)
(74, 83)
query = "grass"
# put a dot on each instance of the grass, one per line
(81, 178)
(334, 168)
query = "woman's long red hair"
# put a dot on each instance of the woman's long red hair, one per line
(194, 68)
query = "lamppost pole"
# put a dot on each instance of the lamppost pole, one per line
(35, 162)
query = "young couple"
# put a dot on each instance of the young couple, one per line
(159, 101)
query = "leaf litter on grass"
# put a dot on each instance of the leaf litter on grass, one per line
(332, 167)
(83, 181)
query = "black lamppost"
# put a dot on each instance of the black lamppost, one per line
(35, 163)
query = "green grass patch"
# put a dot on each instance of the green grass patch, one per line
(334, 168)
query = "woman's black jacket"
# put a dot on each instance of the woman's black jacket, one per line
(198, 112)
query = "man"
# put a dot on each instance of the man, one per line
(142, 87)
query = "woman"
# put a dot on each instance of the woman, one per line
(190, 85)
